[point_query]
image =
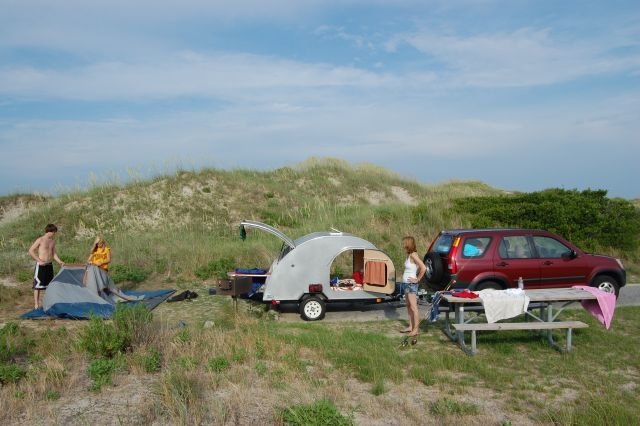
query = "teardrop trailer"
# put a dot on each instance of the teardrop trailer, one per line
(302, 271)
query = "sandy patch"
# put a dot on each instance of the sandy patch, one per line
(8, 282)
(403, 195)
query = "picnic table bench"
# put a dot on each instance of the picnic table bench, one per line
(496, 326)
(548, 302)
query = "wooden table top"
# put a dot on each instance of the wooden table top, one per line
(536, 295)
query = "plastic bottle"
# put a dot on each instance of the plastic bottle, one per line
(520, 283)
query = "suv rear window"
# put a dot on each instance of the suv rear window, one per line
(443, 244)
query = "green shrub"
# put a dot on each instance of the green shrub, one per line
(103, 339)
(378, 388)
(132, 273)
(187, 363)
(134, 322)
(150, 361)
(52, 395)
(14, 343)
(183, 335)
(179, 392)
(218, 364)
(320, 413)
(449, 407)
(239, 354)
(389, 215)
(588, 219)
(217, 268)
(261, 368)
(274, 216)
(101, 372)
(11, 373)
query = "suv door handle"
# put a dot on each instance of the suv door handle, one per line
(502, 264)
(547, 262)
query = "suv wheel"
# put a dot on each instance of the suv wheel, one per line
(435, 270)
(607, 284)
(489, 284)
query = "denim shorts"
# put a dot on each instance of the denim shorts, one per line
(410, 288)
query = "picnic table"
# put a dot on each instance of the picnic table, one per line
(545, 305)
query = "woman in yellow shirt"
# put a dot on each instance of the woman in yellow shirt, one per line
(101, 283)
(100, 254)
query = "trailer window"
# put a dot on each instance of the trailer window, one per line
(284, 251)
(342, 265)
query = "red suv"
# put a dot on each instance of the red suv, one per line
(495, 258)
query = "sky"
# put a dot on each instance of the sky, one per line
(522, 95)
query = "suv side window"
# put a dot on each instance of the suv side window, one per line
(549, 247)
(475, 246)
(515, 247)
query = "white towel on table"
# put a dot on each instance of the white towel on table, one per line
(502, 304)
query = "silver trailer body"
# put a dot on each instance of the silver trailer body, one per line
(303, 270)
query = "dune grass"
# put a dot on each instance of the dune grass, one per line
(172, 225)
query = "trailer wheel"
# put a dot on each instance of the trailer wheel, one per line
(312, 309)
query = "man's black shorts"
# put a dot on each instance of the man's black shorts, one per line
(42, 276)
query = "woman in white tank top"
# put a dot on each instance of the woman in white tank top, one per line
(414, 270)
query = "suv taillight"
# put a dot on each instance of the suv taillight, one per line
(453, 267)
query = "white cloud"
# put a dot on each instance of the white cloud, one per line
(523, 57)
(184, 74)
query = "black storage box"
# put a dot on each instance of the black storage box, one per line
(235, 286)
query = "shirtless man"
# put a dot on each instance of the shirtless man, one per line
(43, 251)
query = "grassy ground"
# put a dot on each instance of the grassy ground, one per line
(219, 365)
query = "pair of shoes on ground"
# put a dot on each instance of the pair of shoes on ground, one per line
(185, 295)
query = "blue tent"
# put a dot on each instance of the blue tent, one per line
(77, 292)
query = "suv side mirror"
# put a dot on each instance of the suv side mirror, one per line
(571, 254)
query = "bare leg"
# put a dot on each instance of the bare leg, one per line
(407, 297)
(410, 327)
(414, 315)
(36, 298)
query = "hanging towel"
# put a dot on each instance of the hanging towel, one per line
(503, 304)
(433, 313)
(465, 294)
(375, 273)
(602, 308)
